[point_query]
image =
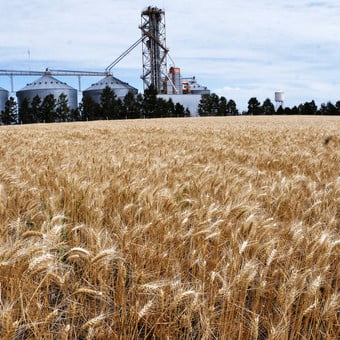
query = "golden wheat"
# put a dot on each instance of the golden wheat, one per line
(205, 228)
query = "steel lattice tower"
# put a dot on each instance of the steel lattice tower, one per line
(154, 51)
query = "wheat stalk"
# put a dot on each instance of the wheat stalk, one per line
(170, 229)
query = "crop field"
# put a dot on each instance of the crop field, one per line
(193, 228)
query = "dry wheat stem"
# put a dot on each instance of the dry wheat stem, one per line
(207, 228)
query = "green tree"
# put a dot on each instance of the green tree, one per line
(150, 104)
(90, 110)
(169, 109)
(209, 105)
(25, 112)
(205, 106)
(268, 107)
(294, 110)
(9, 115)
(47, 109)
(63, 112)
(109, 107)
(131, 106)
(231, 108)
(215, 103)
(254, 106)
(328, 109)
(179, 110)
(222, 106)
(36, 110)
(331, 109)
(139, 105)
(288, 111)
(308, 108)
(280, 110)
(163, 108)
(337, 106)
(75, 115)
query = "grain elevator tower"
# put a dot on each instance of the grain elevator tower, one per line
(154, 50)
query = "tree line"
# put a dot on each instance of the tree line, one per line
(213, 105)
(39, 110)
(148, 105)
(131, 106)
(50, 109)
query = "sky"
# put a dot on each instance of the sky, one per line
(238, 49)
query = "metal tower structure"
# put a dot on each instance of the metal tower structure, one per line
(154, 50)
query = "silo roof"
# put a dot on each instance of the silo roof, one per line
(110, 81)
(2, 89)
(46, 82)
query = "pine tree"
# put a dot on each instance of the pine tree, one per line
(205, 105)
(150, 102)
(187, 113)
(222, 107)
(35, 111)
(25, 112)
(268, 107)
(130, 106)
(179, 110)
(47, 109)
(63, 112)
(89, 109)
(215, 103)
(254, 106)
(231, 108)
(109, 106)
(308, 108)
(9, 115)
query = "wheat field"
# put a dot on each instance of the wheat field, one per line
(197, 228)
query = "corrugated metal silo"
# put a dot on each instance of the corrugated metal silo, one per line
(45, 86)
(3, 98)
(120, 88)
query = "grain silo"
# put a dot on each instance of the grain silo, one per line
(3, 98)
(120, 88)
(45, 86)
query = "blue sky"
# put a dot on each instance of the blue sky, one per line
(239, 49)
